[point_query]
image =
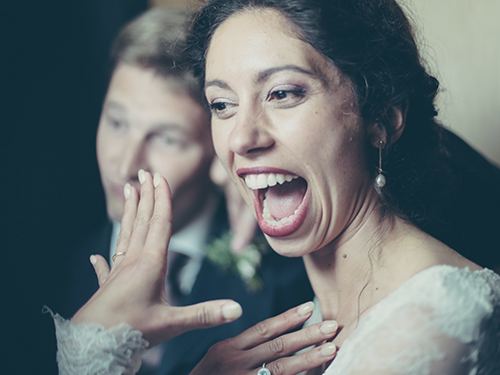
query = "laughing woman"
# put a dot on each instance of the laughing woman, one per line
(323, 116)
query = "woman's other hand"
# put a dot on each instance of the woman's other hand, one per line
(266, 343)
(133, 292)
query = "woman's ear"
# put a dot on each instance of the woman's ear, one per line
(398, 122)
(378, 133)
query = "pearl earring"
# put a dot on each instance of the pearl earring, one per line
(380, 179)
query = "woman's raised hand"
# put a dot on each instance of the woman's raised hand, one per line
(266, 343)
(133, 292)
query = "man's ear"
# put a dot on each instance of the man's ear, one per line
(378, 133)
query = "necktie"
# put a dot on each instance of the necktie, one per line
(176, 262)
(151, 359)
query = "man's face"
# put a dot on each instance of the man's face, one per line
(149, 122)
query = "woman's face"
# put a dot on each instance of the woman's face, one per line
(286, 127)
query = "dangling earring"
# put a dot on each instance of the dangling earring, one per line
(380, 179)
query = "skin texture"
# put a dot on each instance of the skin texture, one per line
(148, 122)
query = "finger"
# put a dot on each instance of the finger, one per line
(144, 212)
(127, 223)
(160, 227)
(101, 268)
(306, 361)
(270, 328)
(202, 315)
(243, 229)
(293, 342)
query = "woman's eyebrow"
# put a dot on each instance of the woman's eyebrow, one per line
(217, 83)
(265, 74)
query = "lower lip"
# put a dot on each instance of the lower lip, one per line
(287, 228)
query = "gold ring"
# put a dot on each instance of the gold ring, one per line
(118, 254)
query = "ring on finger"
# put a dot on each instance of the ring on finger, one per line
(118, 254)
(263, 370)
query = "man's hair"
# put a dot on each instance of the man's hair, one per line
(155, 41)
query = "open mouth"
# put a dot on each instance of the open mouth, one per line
(280, 201)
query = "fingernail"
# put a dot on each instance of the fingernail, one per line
(231, 310)
(329, 327)
(306, 308)
(142, 176)
(127, 190)
(93, 259)
(156, 179)
(328, 349)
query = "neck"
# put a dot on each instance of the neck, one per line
(345, 274)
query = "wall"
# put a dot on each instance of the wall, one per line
(460, 42)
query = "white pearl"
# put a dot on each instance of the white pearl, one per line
(380, 180)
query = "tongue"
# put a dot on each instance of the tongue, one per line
(283, 200)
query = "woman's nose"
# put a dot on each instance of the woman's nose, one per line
(250, 134)
(132, 159)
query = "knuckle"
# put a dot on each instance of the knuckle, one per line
(124, 235)
(141, 220)
(158, 219)
(262, 328)
(277, 345)
(276, 368)
(311, 357)
(311, 333)
(204, 317)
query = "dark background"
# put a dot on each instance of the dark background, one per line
(54, 58)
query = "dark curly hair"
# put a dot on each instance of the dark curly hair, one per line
(372, 43)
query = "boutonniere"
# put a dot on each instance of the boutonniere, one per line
(244, 263)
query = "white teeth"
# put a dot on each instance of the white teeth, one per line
(271, 180)
(263, 180)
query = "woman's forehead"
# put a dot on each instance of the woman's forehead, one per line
(260, 40)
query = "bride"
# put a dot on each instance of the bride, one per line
(323, 116)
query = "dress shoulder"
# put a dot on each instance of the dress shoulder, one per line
(443, 320)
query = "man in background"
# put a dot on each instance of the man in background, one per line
(153, 118)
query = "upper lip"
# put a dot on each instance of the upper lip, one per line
(242, 172)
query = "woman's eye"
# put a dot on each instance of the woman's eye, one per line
(286, 95)
(222, 110)
(218, 106)
(280, 94)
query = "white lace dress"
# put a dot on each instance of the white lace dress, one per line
(442, 321)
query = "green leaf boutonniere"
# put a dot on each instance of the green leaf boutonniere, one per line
(244, 263)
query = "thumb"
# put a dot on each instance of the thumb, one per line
(101, 268)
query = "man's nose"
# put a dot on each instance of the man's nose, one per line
(132, 159)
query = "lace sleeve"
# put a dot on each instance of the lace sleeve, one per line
(445, 322)
(90, 349)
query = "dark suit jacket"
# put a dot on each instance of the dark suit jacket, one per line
(285, 285)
